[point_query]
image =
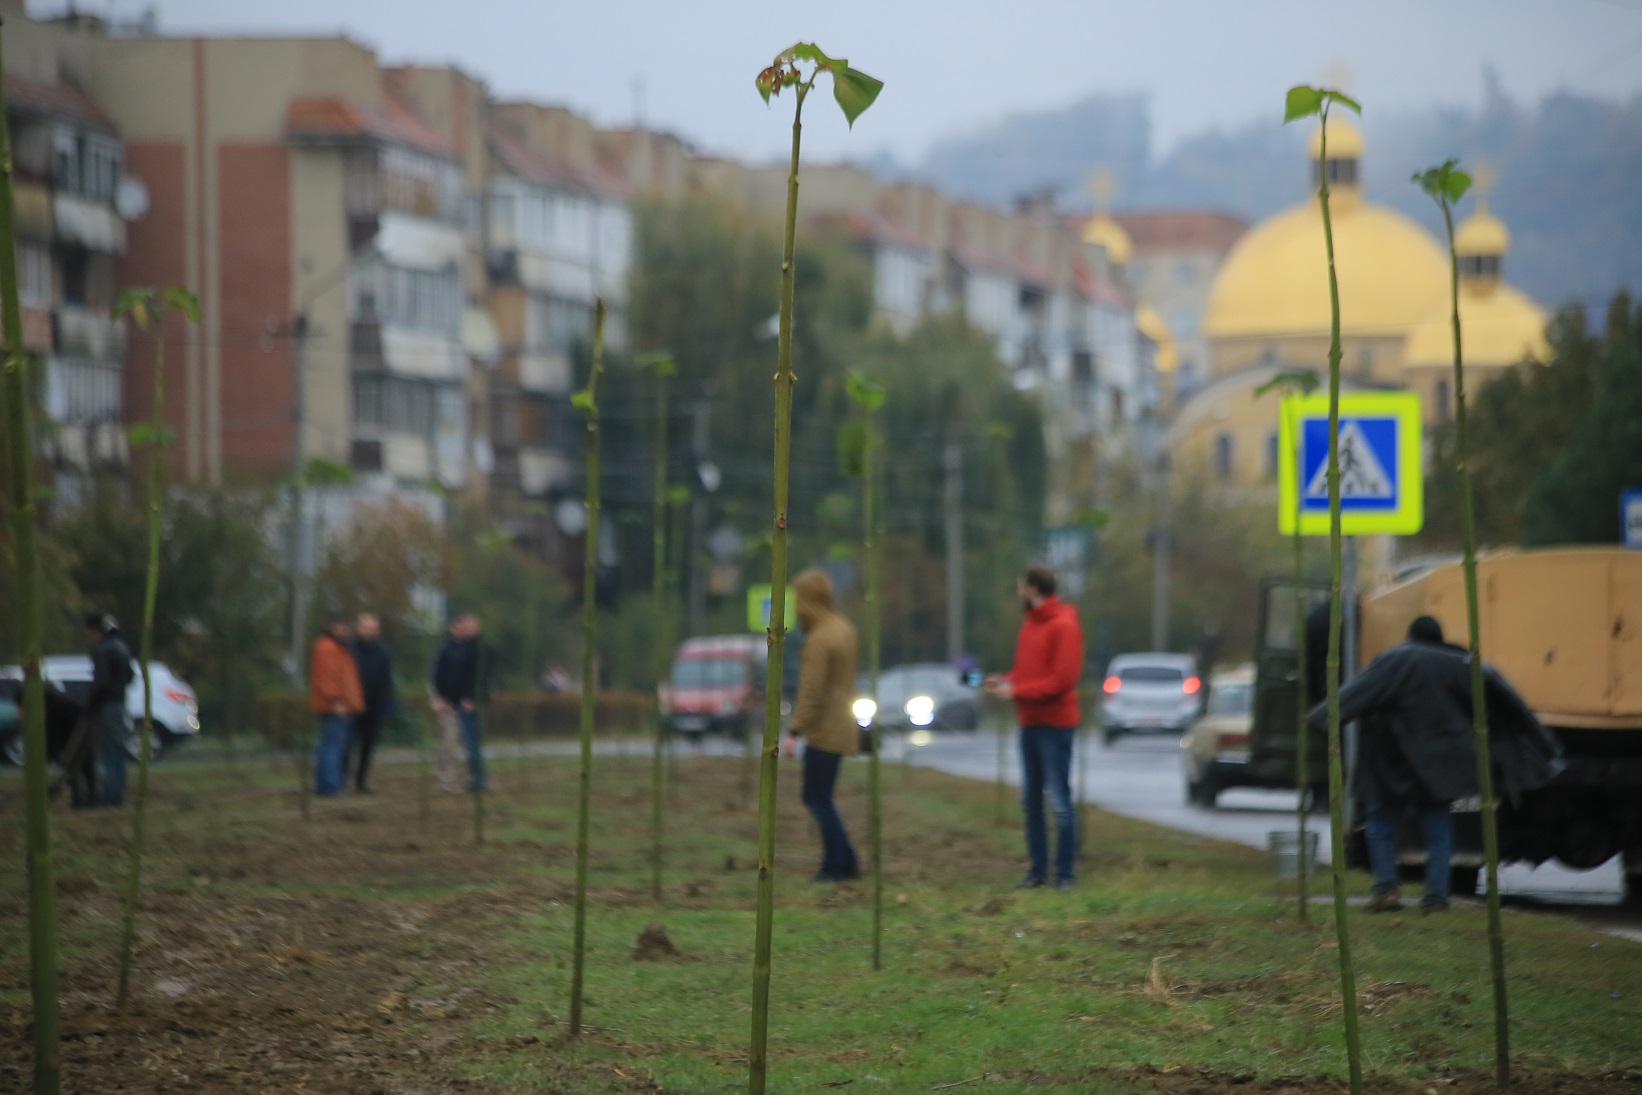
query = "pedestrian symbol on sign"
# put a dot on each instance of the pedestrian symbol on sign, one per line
(1362, 475)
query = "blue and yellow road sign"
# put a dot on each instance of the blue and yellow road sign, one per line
(1382, 475)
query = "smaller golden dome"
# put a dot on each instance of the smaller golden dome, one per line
(1482, 233)
(1500, 326)
(1345, 141)
(1156, 328)
(1109, 234)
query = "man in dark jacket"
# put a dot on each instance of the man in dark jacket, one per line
(1417, 751)
(111, 674)
(1044, 686)
(458, 689)
(375, 667)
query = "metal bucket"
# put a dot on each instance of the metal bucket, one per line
(1283, 846)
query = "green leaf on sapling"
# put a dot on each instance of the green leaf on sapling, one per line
(659, 362)
(866, 391)
(854, 90)
(1344, 100)
(809, 51)
(179, 298)
(678, 495)
(583, 401)
(1302, 380)
(1303, 101)
(136, 303)
(148, 434)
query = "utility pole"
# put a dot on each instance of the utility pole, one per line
(953, 461)
(1161, 552)
(299, 518)
(700, 430)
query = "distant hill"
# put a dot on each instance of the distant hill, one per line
(1569, 167)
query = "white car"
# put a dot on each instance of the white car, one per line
(1149, 693)
(176, 710)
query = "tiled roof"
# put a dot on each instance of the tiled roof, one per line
(1165, 230)
(552, 171)
(879, 230)
(54, 99)
(392, 122)
(1099, 290)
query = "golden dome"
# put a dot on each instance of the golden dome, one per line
(1482, 233)
(1156, 328)
(1345, 141)
(1274, 282)
(1498, 325)
(1108, 233)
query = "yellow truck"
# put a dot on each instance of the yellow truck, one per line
(1564, 626)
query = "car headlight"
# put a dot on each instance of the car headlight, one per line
(920, 710)
(920, 737)
(864, 709)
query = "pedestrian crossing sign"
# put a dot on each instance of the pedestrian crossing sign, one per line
(1381, 467)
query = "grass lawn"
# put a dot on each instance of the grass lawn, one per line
(365, 951)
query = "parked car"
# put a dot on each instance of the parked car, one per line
(716, 684)
(1149, 693)
(925, 696)
(176, 710)
(1215, 751)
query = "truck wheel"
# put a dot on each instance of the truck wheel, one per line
(1203, 793)
(1462, 881)
(1630, 864)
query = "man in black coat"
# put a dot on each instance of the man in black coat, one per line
(111, 674)
(375, 666)
(460, 685)
(1417, 751)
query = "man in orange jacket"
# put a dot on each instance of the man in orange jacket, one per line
(335, 695)
(1044, 686)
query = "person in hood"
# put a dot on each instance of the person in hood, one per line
(336, 699)
(459, 687)
(1044, 687)
(111, 675)
(822, 716)
(375, 665)
(1416, 752)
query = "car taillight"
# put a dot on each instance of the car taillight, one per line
(1112, 685)
(177, 695)
(1191, 686)
(1233, 739)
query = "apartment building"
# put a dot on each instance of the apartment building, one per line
(71, 199)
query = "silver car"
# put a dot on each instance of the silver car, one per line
(1149, 693)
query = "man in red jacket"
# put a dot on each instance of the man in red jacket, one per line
(1044, 686)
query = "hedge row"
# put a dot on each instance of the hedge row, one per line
(284, 718)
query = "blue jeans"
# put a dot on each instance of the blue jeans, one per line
(111, 754)
(1046, 765)
(820, 777)
(331, 754)
(469, 722)
(1383, 827)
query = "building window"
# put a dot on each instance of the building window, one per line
(553, 325)
(1083, 367)
(420, 300)
(1341, 172)
(1481, 266)
(395, 403)
(34, 275)
(1223, 455)
(1441, 399)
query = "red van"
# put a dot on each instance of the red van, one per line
(716, 683)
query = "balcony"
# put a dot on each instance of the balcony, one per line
(87, 334)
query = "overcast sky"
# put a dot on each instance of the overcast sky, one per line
(953, 64)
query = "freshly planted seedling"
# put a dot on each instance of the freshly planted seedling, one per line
(1298, 383)
(147, 308)
(587, 400)
(661, 632)
(796, 70)
(1447, 185)
(1312, 102)
(19, 400)
(868, 394)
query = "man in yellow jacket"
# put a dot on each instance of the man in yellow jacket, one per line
(823, 718)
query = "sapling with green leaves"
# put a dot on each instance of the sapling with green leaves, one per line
(587, 401)
(1304, 101)
(863, 438)
(1446, 185)
(661, 632)
(19, 409)
(795, 69)
(1293, 385)
(147, 307)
